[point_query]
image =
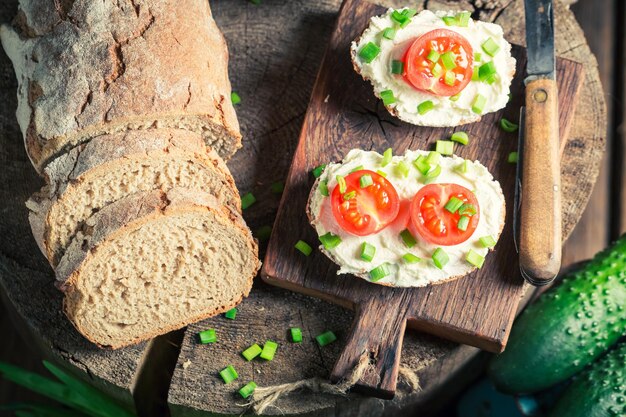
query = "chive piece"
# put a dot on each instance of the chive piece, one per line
(467, 209)
(460, 137)
(407, 238)
(252, 352)
(448, 59)
(341, 182)
(380, 272)
(329, 240)
(367, 252)
(397, 67)
(455, 97)
(487, 241)
(433, 157)
(369, 52)
(463, 18)
(475, 259)
(402, 18)
(402, 169)
(296, 334)
(422, 166)
(440, 258)
(425, 106)
(389, 33)
(381, 173)
(247, 200)
(433, 173)
(263, 233)
(234, 98)
(508, 126)
(249, 388)
(513, 156)
(304, 247)
(486, 70)
(229, 374)
(318, 170)
(324, 188)
(449, 20)
(491, 79)
(387, 155)
(358, 168)
(478, 56)
(462, 223)
(490, 47)
(462, 167)
(436, 70)
(453, 204)
(510, 98)
(433, 56)
(449, 78)
(444, 147)
(409, 258)
(479, 103)
(277, 187)
(365, 181)
(349, 196)
(387, 97)
(207, 336)
(231, 314)
(475, 74)
(269, 350)
(409, 12)
(325, 338)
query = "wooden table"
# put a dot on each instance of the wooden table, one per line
(275, 51)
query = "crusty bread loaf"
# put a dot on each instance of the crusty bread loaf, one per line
(110, 167)
(154, 262)
(87, 67)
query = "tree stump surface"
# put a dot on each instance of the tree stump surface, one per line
(275, 48)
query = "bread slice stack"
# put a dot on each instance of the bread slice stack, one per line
(125, 110)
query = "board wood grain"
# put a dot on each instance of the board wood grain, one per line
(344, 114)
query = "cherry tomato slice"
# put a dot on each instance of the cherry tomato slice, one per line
(433, 222)
(369, 209)
(419, 69)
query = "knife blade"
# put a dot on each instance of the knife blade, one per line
(539, 195)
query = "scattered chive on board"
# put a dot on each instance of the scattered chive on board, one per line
(330, 240)
(231, 314)
(508, 126)
(445, 147)
(229, 374)
(277, 187)
(263, 233)
(207, 336)
(247, 200)
(513, 156)
(325, 338)
(296, 334)
(252, 352)
(440, 258)
(367, 252)
(407, 238)
(303, 247)
(269, 350)
(249, 388)
(460, 137)
(234, 98)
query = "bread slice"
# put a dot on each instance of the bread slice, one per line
(154, 262)
(90, 67)
(111, 167)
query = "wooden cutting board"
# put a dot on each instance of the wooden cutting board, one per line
(344, 114)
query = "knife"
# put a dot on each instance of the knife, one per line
(539, 173)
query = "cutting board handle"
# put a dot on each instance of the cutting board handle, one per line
(377, 332)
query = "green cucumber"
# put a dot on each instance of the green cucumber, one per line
(598, 391)
(568, 327)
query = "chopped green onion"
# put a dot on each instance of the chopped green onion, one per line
(402, 169)
(448, 59)
(475, 259)
(449, 20)
(318, 170)
(486, 70)
(407, 238)
(324, 188)
(425, 106)
(479, 103)
(467, 209)
(444, 147)
(487, 241)
(325, 338)
(510, 98)
(463, 223)
(433, 56)
(453, 204)
(490, 47)
(478, 56)
(434, 173)
(358, 168)
(399, 18)
(341, 182)
(422, 166)
(460, 137)
(440, 258)
(475, 74)
(380, 272)
(296, 334)
(329, 240)
(349, 196)
(369, 52)
(409, 258)
(263, 233)
(463, 18)
(389, 33)
(207, 336)
(387, 97)
(381, 173)
(449, 78)
(365, 181)
(367, 252)
(269, 350)
(508, 126)
(455, 97)
(433, 158)
(462, 167)
(436, 70)
(491, 79)
(409, 12)
(229, 374)
(513, 157)
(386, 157)
(397, 67)
(277, 187)
(234, 98)
(247, 200)
(249, 388)
(231, 314)
(304, 247)
(252, 352)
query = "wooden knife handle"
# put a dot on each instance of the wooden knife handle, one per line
(540, 221)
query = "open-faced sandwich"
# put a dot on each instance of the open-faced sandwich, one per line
(435, 69)
(406, 221)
